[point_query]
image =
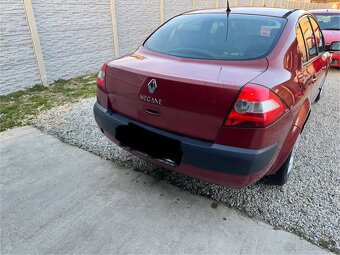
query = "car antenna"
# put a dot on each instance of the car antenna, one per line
(227, 30)
(228, 8)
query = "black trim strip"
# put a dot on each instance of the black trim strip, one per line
(288, 13)
(201, 154)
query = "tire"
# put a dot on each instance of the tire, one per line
(282, 175)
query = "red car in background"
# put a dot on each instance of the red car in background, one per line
(220, 95)
(329, 21)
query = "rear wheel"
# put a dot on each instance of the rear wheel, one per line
(282, 175)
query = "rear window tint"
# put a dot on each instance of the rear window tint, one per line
(328, 21)
(217, 37)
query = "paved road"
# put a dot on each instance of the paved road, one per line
(56, 198)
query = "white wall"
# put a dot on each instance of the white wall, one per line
(18, 66)
(135, 21)
(76, 35)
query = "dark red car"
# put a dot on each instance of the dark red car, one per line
(329, 22)
(217, 95)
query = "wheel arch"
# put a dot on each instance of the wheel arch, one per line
(303, 115)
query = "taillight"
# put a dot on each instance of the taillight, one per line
(256, 106)
(101, 78)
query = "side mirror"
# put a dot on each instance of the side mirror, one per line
(335, 46)
(328, 47)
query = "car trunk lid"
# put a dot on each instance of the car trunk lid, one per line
(185, 96)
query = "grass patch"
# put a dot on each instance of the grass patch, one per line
(329, 245)
(19, 108)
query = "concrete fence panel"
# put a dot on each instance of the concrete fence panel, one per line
(135, 21)
(75, 37)
(205, 4)
(222, 3)
(173, 8)
(18, 66)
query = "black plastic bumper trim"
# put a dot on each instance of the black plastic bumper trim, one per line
(210, 156)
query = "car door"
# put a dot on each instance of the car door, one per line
(313, 66)
(321, 61)
(305, 70)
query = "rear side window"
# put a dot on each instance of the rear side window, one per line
(309, 38)
(301, 44)
(318, 35)
(217, 37)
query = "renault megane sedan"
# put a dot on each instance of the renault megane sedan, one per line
(219, 95)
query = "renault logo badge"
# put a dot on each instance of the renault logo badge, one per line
(152, 86)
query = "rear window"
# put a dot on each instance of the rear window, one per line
(328, 21)
(217, 37)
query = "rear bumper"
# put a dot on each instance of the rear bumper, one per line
(225, 165)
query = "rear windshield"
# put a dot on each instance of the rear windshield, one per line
(328, 21)
(217, 36)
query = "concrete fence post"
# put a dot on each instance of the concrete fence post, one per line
(35, 41)
(114, 27)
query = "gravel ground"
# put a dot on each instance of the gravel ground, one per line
(308, 205)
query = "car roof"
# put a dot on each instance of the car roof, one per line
(265, 11)
(325, 11)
